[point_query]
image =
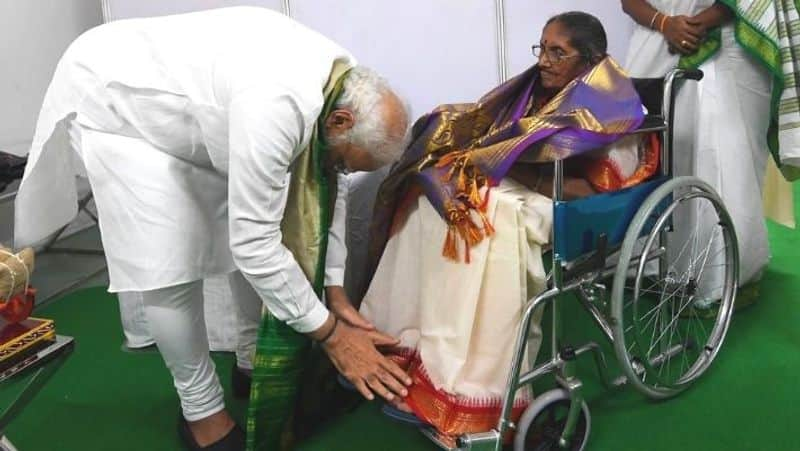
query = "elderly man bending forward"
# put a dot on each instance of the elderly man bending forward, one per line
(212, 143)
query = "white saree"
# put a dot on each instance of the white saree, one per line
(460, 320)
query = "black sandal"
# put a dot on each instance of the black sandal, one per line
(234, 440)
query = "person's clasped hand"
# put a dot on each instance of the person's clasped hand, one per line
(684, 34)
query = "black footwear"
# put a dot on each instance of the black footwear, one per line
(346, 384)
(402, 416)
(234, 440)
(240, 382)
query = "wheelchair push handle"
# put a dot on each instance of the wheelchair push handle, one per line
(667, 110)
(690, 74)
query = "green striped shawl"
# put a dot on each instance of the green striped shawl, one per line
(770, 31)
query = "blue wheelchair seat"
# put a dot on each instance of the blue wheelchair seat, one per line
(579, 224)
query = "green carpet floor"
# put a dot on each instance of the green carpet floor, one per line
(106, 399)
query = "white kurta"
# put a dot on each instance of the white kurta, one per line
(720, 132)
(187, 126)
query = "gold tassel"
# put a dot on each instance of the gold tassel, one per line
(475, 233)
(450, 250)
(469, 232)
(488, 229)
(463, 232)
(447, 159)
(461, 186)
(475, 194)
(471, 235)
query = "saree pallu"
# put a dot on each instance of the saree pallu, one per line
(458, 150)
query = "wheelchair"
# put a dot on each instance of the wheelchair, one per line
(617, 253)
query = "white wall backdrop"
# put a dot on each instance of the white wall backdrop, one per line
(432, 51)
(126, 9)
(33, 35)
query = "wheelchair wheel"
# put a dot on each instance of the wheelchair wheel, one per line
(541, 424)
(674, 287)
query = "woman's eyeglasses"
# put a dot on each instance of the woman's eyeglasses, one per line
(555, 56)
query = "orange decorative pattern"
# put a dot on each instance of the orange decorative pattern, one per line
(604, 175)
(451, 415)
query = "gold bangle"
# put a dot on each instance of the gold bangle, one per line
(653, 20)
(661, 25)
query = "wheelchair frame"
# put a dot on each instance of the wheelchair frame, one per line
(584, 275)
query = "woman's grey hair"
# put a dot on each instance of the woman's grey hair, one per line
(587, 34)
(363, 92)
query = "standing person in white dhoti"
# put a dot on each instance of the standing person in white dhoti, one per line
(211, 142)
(721, 124)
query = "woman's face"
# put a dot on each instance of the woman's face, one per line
(559, 62)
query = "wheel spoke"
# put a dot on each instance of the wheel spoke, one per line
(668, 310)
(672, 327)
(704, 257)
(680, 254)
(683, 307)
(656, 327)
(700, 323)
(658, 306)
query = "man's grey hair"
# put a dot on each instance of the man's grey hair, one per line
(363, 92)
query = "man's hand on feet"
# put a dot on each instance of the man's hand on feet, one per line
(354, 353)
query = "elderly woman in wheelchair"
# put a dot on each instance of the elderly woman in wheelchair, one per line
(562, 159)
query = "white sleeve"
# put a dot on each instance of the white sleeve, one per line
(336, 257)
(264, 135)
